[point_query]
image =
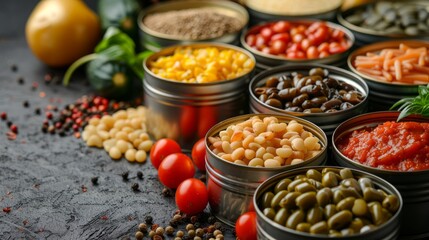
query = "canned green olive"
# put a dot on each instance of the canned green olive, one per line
(330, 201)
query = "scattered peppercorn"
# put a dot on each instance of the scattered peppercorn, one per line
(125, 176)
(14, 67)
(62, 133)
(48, 78)
(21, 80)
(139, 235)
(7, 209)
(135, 187)
(151, 234)
(159, 231)
(3, 115)
(166, 192)
(169, 230)
(154, 227)
(9, 123)
(139, 175)
(191, 233)
(219, 237)
(197, 225)
(26, 104)
(190, 226)
(14, 128)
(94, 180)
(194, 219)
(197, 238)
(51, 129)
(199, 232)
(37, 111)
(217, 225)
(49, 115)
(211, 220)
(148, 220)
(180, 234)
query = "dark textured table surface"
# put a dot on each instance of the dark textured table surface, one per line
(41, 175)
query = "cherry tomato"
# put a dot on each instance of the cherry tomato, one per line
(337, 34)
(174, 169)
(297, 38)
(281, 26)
(312, 52)
(319, 36)
(191, 196)
(260, 41)
(335, 47)
(296, 55)
(281, 36)
(323, 54)
(199, 154)
(161, 149)
(251, 40)
(314, 26)
(305, 44)
(266, 50)
(266, 32)
(278, 47)
(324, 47)
(294, 47)
(245, 226)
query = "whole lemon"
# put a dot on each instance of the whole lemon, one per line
(59, 32)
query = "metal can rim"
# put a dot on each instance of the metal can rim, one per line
(279, 69)
(347, 32)
(170, 49)
(222, 4)
(273, 15)
(268, 183)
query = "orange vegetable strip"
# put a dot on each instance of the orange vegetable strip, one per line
(407, 65)
(405, 57)
(415, 77)
(419, 50)
(398, 70)
(387, 75)
(393, 50)
(367, 64)
(422, 61)
(369, 71)
(403, 47)
(419, 68)
(369, 58)
(388, 56)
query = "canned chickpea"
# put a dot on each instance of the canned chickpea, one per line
(254, 153)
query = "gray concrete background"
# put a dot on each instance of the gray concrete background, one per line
(41, 175)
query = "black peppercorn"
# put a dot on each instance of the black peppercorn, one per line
(135, 187)
(14, 68)
(211, 220)
(166, 192)
(139, 175)
(197, 225)
(148, 219)
(94, 180)
(26, 104)
(9, 123)
(62, 133)
(217, 225)
(37, 111)
(125, 176)
(20, 80)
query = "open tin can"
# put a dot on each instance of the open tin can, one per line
(268, 229)
(231, 186)
(413, 185)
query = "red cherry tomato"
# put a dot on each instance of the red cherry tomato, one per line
(267, 32)
(281, 26)
(296, 55)
(294, 47)
(323, 54)
(161, 149)
(335, 48)
(319, 36)
(245, 227)
(324, 47)
(266, 50)
(260, 41)
(191, 196)
(312, 52)
(278, 47)
(337, 34)
(297, 38)
(251, 40)
(305, 44)
(199, 154)
(281, 36)
(174, 169)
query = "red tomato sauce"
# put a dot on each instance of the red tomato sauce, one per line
(402, 146)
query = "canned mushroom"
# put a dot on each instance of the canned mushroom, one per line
(319, 203)
(249, 161)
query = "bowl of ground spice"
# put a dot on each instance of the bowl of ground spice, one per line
(178, 22)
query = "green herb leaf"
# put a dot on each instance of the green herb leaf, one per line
(416, 105)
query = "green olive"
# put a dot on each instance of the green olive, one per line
(266, 199)
(277, 198)
(269, 213)
(360, 208)
(306, 200)
(370, 194)
(387, 215)
(315, 183)
(281, 216)
(351, 192)
(338, 196)
(382, 193)
(391, 203)
(334, 233)
(295, 218)
(356, 224)
(294, 183)
(365, 182)
(351, 183)
(289, 200)
(315, 215)
(282, 185)
(330, 210)
(340, 220)
(300, 176)
(314, 174)
(323, 198)
(329, 180)
(305, 187)
(367, 228)
(319, 228)
(376, 212)
(303, 227)
(346, 173)
(346, 204)
(347, 231)
(326, 170)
